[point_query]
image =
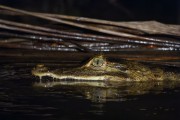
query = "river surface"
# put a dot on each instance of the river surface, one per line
(21, 100)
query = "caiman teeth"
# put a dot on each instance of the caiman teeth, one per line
(85, 78)
(72, 77)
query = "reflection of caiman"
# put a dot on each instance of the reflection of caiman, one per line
(99, 69)
(101, 80)
(113, 92)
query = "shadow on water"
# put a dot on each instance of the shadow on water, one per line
(22, 96)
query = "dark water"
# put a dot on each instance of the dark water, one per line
(20, 99)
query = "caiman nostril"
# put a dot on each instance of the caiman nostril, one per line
(40, 65)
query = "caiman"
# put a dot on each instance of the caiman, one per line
(99, 69)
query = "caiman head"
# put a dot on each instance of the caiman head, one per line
(100, 69)
(96, 69)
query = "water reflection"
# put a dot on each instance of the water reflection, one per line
(22, 96)
(108, 91)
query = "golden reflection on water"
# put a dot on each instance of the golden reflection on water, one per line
(108, 91)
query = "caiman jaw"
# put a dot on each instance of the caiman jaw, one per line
(97, 69)
(74, 74)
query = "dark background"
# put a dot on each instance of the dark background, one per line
(166, 11)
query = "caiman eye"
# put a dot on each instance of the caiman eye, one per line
(98, 62)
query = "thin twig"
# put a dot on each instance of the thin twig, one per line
(14, 44)
(12, 40)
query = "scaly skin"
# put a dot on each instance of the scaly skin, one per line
(99, 69)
